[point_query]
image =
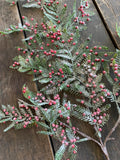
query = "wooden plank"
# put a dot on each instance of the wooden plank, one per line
(87, 150)
(21, 144)
(110, 13)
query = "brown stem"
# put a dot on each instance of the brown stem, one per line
(112, 130)
(104, 149)
(101, 145)
(84, 135)
(115, 125)
(88, 137)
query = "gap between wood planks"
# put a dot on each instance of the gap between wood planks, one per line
(110, 21)
(104, 36)
(17, 144)
(49, 137)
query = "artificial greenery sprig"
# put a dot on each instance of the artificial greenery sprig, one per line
(61, 65)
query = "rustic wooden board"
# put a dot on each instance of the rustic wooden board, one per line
(88, 150)
(21, 144)
(110, 13)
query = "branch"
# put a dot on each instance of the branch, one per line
(83, 134)
(115, 125)
(101, 145)
(112, 130)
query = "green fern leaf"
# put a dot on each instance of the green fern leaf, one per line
(43, 125)
(5, 120)
(72, 156)
(60, 152)
(109, 78)
(64, 56)
(44, 80)
(46, 132)
(9, 127)
(49, 11)
(70, 134)
(31, 5)
(74, 9)
(50, 17)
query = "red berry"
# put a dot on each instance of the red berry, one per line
(47, 35)
(95, 47)
(58, 21)
(29, 97)
(105, 54)
(83, 114)
(74, 152)
(99, 121)
(68, 108)
(104, 114)
(73, 146)
(59, 111)
(68, 85)
(104, 72)
(88, 19)
(39, 3)
(24, 91)
(65, 105)
(65, 5)
(102, 60)
(96, 53)
(82, 102)
(35, 71)
(84, 55)
(94, 120)
(89, 61)
(40, 71)
(100, 129)
(101, 86)
(13, 2)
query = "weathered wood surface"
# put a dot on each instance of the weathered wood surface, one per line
(110, 12)
(89, 150)
(27, 143)
(22, 144)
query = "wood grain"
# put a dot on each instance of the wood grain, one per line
(110, 13)
(89, 150)
(21, 144)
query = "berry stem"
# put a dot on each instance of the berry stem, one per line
(111, 131)
(115, 125)
(101, 144)
(83, 134)
(104, 149)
